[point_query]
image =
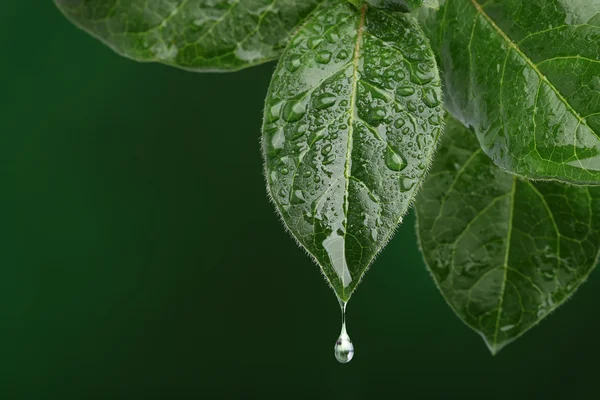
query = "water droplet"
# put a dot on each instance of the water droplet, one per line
(294, 110)
(298, 197)
(374, 234)
(430, 97)
(314, 42)
(376, 115)
(317, 28)
(329, 159)
(278, 141)
(333, 36)
(299, 132)
(406, 184)
(435, 120)
(323, 57)
(406, 90)
(324, 101)
(399, 123)
(293, 64)
(274, 111)
(421, 141)
(317, 135)
(393, 160)
(342, 55)
(411, 106)
(423, 74)
(326, 149)
(343, 349)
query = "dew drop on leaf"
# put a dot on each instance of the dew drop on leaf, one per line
(393, 160)
(421, 141)
(376, 116)
(333, 36)
(407, 184)
(405, 90)
(399, 123)
(324, 101)
(430, 97)
(326, 149)
(273, 112)
(314, 42)
(294, 111)
(298, 197)
(293, 64)
(329, 159)
(323, 57)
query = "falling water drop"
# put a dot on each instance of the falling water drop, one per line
(343, 349)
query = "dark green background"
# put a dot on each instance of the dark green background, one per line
(141, 259)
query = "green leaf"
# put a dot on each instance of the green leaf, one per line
(504, 252)
(404, 5)
(526, 75)
(198, 35)
(356, 3)
(352, 118)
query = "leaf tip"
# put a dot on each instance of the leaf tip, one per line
(493, 346)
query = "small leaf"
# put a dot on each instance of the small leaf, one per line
(198, 35)
(505, 252)
(526, 75)
(352, 118)
(404, 5)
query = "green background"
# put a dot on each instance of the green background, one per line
(141, 259)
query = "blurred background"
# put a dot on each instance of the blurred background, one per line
(141, 259)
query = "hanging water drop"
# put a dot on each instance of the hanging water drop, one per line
(343, 349)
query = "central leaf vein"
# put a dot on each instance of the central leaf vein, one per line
(353, 112)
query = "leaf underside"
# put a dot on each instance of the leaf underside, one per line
(198, 35)
(352, 118)
(504, 252)
(525, 74)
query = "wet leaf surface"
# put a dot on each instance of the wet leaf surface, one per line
(199, 35)
(403, 5)
(352, 118)
(505, 252)
(526, 75)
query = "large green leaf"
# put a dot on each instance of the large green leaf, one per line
(351, 121)
(504, 252)
(199, 35)
(526, 75)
